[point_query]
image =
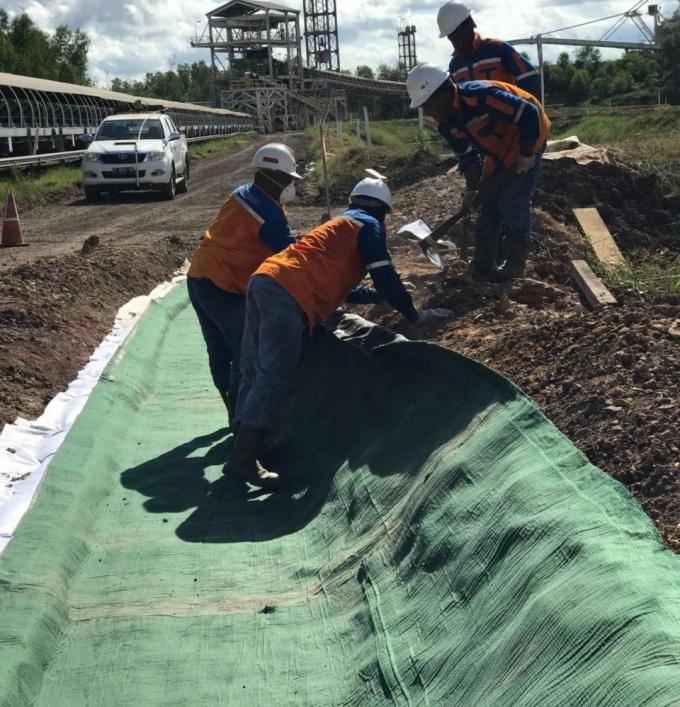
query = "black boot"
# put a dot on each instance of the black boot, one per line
(484, 260)
(515, 263)
(230, 404)
(243, 461)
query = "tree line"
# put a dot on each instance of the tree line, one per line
(27, 50)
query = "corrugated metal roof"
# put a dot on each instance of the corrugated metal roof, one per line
(243, 6)
(33, 84)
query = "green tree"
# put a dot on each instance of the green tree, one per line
(365, 72)
(71, 50)
(588, 58)
(389, 73)
(579, 86)
(622, 83)
(670, 53)
(601, 88)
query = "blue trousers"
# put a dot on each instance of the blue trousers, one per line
(221, 315)
(272, 344)
(508, 211)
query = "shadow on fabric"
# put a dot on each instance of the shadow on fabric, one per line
(386, 410)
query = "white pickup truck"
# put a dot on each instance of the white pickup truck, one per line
(136, 151)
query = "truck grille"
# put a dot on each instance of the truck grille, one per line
(122, 157)
(124, 175)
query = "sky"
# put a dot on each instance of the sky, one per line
(132, 38)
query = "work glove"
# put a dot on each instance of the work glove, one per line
(433, 315)
(409, 286)
(524, 164)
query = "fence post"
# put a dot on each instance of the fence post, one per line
(324, 157)
(421, 128)
(368, 127)
(359, 129)
(338, 127)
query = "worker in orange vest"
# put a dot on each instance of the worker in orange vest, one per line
(480, 59)
(250, 226)
(509, 128)
(294, 291)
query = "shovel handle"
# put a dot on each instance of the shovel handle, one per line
(486, 189)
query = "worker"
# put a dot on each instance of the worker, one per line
(250, 226)
(509, 127)
(484, 59)
(294, 291)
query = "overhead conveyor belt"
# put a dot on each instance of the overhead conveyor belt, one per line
(38, 115)
(441, 543)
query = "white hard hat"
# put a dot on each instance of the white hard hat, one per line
(451, 16)
(277, 157)
(375, 189)
(423, 80)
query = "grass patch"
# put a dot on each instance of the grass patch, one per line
(645, 272)
(391, 139)
(201, 150)
(648, 139)
(33, 186)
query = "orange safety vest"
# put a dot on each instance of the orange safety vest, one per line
(321, 269)
(498, 139)
(231, 249)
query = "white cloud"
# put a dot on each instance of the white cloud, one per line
(132, 38)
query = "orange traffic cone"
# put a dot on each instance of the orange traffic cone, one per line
(11, 225)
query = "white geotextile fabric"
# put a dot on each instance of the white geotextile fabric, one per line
(573, 148)
(26, 448)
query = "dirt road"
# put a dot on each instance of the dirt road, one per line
(57, 301)
(61, 228)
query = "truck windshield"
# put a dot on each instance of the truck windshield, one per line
(133, 129)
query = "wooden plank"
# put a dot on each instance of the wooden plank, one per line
(592, 287)
(600, 238)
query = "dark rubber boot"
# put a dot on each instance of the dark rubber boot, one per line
(243, 463)
(515, 264)
(231, 410)
(484, 260)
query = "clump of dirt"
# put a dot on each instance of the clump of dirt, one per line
(609, 379)
(633, 205)
(54, 311)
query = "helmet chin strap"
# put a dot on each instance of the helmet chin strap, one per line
(280, 187)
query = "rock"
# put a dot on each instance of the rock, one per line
(90, 244)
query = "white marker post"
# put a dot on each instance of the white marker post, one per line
(367, 123)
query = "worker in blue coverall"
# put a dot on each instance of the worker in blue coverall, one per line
(510, 128)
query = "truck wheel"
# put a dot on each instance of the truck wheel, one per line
(169, 190)
(92, 194)
(183, 185)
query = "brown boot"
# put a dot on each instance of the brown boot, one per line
(243, 463)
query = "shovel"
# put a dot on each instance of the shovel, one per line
(486, 189)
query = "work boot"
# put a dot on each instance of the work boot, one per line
(484, 260)
(243, 463)
(231, 410)
(227, 403)
(515, 263)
